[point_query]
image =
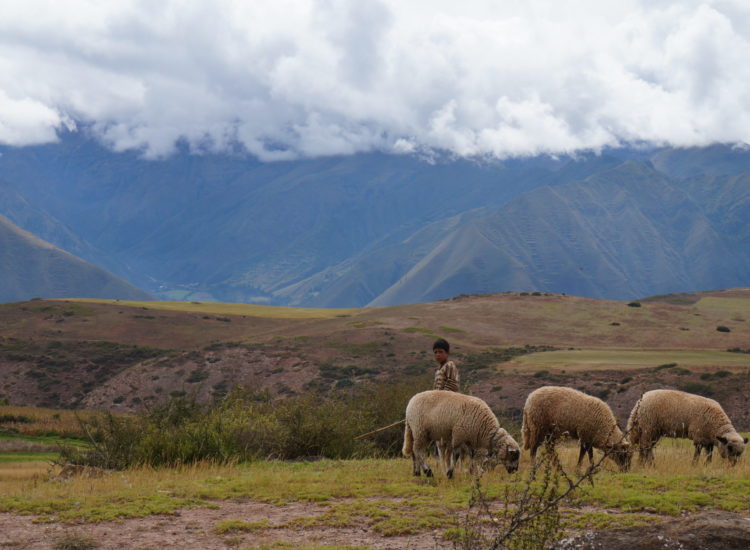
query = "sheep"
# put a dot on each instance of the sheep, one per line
(456, 421)
(553, 411)
(673, 413)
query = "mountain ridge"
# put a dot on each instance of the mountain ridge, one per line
(31, 267)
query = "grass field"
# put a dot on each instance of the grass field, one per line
(575, 360)
(381, 494)
(222, 308)
(738, 306)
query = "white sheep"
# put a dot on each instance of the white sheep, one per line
(456, 421)
(551, 412)
(672, 413)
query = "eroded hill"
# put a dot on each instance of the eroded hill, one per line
(124, 356)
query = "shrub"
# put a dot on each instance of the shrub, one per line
(198, 375)
(634, 304)
(541, 374)
(697, 388)
(602, 394)
(74, 541)
(722, 328)
(250, 425)
(665, 366)
(626, 380)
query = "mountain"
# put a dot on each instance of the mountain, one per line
(31, 267)
(623, 233)
(384, 229)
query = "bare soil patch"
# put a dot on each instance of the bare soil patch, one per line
(196, 528)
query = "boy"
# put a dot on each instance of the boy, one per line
(446, 376)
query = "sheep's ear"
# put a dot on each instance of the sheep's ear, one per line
(744, 439)
(722, 440)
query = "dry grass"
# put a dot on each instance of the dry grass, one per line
(221, 308)
(41, 421)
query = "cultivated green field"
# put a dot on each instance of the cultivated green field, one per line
(738, 306)
(575, 360)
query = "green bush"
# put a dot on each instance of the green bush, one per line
(697, 388)
(250, 425)
(634, 304)
(666, 366)
(722, 328)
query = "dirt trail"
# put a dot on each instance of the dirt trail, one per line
(195, 529)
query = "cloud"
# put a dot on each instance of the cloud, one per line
(296, 78)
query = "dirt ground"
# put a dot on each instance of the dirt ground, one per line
(195, 529)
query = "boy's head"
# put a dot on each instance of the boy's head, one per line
(441, 348)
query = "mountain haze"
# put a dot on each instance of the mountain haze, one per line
(31, 267)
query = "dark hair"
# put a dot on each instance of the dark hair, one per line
(440, 343)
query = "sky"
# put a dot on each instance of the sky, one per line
(285, 79)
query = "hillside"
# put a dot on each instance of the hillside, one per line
(126, 355)
(31, 267)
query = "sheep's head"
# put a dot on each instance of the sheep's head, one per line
(731, 446)
(503, 448)
(621, 452)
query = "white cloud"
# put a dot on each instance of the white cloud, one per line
(290, 78)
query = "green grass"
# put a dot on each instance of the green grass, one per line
(624, 359)
(381, 494)
(233, 309)
(420, 330)
(729, 305)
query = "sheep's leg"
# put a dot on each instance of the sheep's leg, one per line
(709, 453)
(419, 465)
(585, 449)
(591, 454)
(697, 454)
(455, 454)
(472, 463)
(646, 450)
(534, 447)
(445, 457)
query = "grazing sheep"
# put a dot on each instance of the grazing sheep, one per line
(456, 421)
(552, 411)
(673, 413)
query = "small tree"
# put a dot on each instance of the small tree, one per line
(529, 518)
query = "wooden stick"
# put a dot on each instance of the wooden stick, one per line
(381, 429)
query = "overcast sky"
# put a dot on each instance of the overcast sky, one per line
(298, 78)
